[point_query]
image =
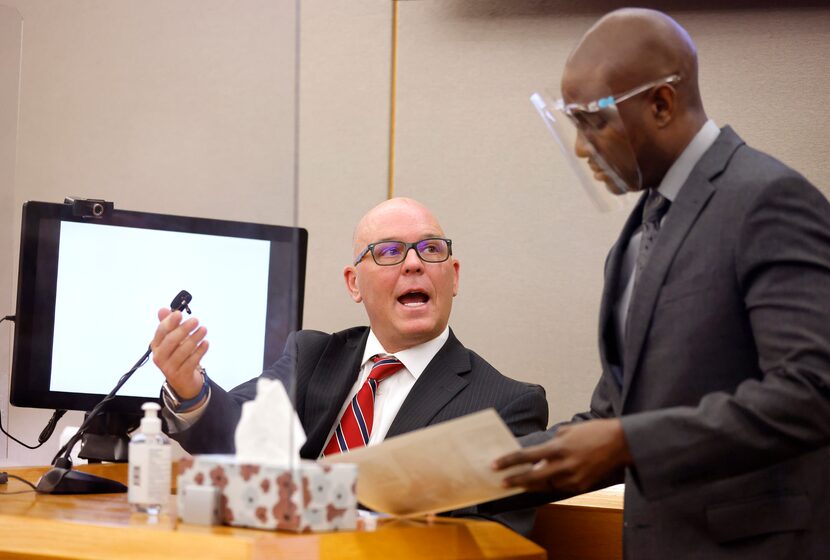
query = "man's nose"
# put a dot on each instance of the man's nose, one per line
(581, 146)
(412, 262)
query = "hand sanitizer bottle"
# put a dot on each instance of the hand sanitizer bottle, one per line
(149, 468)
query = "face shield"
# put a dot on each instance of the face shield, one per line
(595, 144)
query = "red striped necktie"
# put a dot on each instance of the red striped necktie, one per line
(355, 425)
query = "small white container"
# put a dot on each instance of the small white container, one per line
(149, 464)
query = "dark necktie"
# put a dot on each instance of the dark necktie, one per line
(655, 208)
(355, 425)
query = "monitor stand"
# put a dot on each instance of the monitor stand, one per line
(106, 437)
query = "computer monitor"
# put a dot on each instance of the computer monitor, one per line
(89, 289)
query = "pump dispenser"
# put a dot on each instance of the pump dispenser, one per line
(149, 468)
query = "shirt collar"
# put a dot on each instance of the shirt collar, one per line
(682, 166)
(415, 359)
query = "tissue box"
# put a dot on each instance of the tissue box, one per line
(308, 497)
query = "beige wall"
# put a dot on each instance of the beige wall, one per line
(10, 29)
(532, 247)
(470, 145)
(344, 142)
(171, 106)
(182, 107)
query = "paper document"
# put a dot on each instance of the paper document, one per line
(439, 468)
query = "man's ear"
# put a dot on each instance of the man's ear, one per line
(456, 269)
(663, 105)
(350, 275)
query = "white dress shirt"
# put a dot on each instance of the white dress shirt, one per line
(393, 390)
(391, 393)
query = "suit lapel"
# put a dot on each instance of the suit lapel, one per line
(333, 377)
(443, 378)
(684, 211)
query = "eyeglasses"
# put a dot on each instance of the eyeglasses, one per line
(389, 253)
(590, 114)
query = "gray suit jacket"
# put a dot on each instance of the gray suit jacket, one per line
(320, 369)
(725, 400)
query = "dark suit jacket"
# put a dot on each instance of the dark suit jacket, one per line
(725, 401)
(320, 368)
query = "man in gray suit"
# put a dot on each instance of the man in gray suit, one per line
(714, 399)
(406, 277)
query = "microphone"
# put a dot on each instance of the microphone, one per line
(61, 479)
(180, 302)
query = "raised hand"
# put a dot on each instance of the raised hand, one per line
(178, 347)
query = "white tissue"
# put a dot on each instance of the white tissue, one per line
(264, 433)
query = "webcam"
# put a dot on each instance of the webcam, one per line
(89, 207)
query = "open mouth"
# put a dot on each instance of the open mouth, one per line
(413, 299)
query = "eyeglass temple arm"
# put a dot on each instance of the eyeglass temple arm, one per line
(636, 91)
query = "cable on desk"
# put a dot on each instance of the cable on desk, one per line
(50, 426)
(23, 480)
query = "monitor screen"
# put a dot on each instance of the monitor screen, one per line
(89, 290)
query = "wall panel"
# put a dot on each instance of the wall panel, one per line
(178, 107)
(471, 146)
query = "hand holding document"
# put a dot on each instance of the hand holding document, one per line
(439, 468)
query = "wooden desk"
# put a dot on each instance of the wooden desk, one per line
(585, 527)
(103, 527)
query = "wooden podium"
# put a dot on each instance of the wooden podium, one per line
(103, 526)
(585, 527)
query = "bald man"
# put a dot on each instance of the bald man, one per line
(714, 400)
(404, 274)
